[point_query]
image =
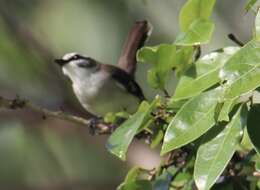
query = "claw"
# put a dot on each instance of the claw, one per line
(92, 125)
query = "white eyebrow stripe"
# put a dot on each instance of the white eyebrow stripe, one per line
(67, 56)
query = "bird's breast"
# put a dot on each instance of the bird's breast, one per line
(89, 87)
(101, 94)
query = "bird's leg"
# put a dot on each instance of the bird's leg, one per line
(94, 121)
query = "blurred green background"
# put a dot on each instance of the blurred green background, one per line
(54, 154)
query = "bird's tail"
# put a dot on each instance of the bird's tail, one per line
(134, 41)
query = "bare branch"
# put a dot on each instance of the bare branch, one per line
(100, 127)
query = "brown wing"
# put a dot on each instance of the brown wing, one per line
(126, 80)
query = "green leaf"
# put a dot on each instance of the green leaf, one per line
(257, 164)
(203, 74)
(155, 79)
(133, 174)
(257, 26)
(199, 32)
(192, 120)
(183, 60)
(163, 182)
(226, 108)
(182, 179)
(136, 185)
(176, 105)
(241, 73)
(246, 143)
(250, 4)
(133, 180)
(253, 128)
(149, 54)
(193, 10)
(119, 141)
(216, 150)
(157, 138)
(163, 59)
(111, 117)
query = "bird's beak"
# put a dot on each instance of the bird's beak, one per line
(60, 62)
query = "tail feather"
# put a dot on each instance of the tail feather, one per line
(134, 41)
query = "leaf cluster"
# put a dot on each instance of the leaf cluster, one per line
(209, 127)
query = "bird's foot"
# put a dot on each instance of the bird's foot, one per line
(93, 125)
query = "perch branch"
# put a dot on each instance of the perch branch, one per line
(100, 127)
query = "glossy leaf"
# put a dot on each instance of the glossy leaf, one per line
(119, 141)
(193, 10)
(194, 118)
(241, 73)
(199, 32)
(203, 74)
(216, 150)
(253, 126)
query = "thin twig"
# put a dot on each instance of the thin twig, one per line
(198, 52)
(17, 103)
(166, 93)
(235, 40)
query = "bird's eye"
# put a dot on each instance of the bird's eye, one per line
(75, 57)
(87, 64)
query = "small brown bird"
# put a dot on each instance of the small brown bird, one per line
(103, 88)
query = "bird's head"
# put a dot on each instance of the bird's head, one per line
(76, 66)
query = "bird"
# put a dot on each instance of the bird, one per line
(101, 88)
